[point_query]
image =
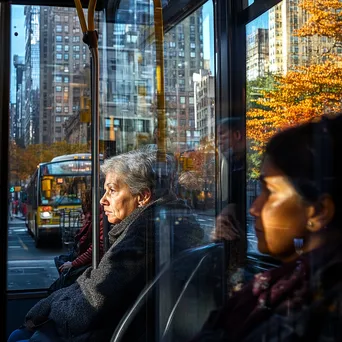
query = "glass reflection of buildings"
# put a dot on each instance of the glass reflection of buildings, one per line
(58, 70)
(183, 50)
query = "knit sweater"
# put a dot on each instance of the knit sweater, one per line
(84, 242)
(90, 309)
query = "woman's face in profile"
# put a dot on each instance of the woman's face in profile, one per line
(118, 201)
(280, 213)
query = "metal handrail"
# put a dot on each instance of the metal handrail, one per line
(90, 37)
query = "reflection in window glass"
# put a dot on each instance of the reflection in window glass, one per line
(38, 133)
(131, 113)
(293, 74)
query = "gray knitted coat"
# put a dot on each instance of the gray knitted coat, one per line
(91, 308)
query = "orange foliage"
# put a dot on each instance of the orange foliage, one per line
(300, 95)
(325, 19)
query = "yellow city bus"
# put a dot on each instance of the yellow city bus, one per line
(54, 197)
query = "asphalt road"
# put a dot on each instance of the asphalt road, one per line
(32, 268)
(29, 267)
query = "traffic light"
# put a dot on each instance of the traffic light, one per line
(12, 189)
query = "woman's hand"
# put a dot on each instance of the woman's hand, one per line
(67, 265)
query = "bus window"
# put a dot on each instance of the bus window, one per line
(49, 103)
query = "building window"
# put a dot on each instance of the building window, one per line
(66, 56)
(58, 38)
(182, 100)
(58, 109)
(58, 28)
(66, 79)
(58, 88)
(59, 47)
(58, 78)
(58, 119)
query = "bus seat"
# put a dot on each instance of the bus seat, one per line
(183, 294)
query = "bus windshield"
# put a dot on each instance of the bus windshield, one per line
(62, 190)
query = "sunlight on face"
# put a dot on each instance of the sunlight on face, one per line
(280, 213)
(118, 201)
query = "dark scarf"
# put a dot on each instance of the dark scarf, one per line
(285, 290)
(118, 231)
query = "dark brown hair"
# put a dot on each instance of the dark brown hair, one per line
(309, 155)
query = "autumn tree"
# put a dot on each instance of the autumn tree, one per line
(24, 161)
(306, 91)
(300, 95)
(324, 19)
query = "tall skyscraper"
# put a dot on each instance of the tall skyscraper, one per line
(257, 54)
(183, 51)
(18, 117)
(286, 50)
(59, 62)
(30, 123)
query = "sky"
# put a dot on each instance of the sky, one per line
(17, 41)
(260, 22)
(208, 33)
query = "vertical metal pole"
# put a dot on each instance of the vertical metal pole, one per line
(95, 170)
(5, 39)
(159, 40)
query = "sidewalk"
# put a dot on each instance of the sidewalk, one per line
(17, 217)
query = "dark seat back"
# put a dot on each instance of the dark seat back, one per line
(183, 294)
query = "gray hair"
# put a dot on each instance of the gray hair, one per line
(138, 169)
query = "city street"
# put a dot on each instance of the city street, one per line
(29, 267)
(32, 268)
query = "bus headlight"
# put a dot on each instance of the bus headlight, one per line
(46, 215)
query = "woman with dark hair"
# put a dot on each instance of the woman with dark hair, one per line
(298, 221)
(72, 265)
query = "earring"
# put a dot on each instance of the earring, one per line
(309, 224)
(298, 244)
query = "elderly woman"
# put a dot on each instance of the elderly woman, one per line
(146, 215)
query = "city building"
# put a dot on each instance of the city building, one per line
(18, 118)
(257, 54)
(204, 92)
(183, 51)
(54, 47)
(30, 123)
(286, 50)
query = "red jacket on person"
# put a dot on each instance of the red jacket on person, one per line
(84, 241)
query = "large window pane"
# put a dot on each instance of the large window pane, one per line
(293, 75)
(49, 118)
(132, 112)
